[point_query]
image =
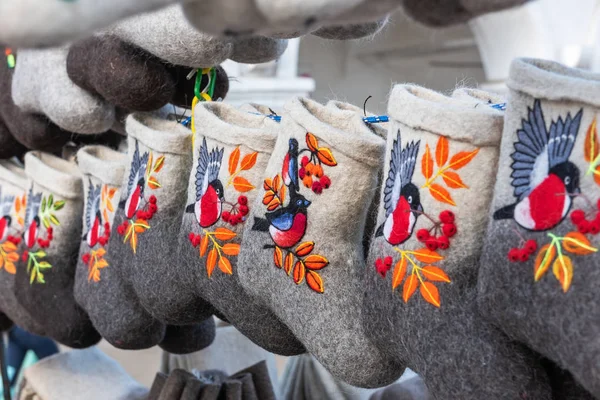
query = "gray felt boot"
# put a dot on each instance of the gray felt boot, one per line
(420, 289)
(539, 270)
(302, 252)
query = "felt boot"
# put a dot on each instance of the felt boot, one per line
(49, 247)
(364, 12)
(420, 282)
(189, 339)
(352, 31)
(302, 253)
(9, 146)
(231, 151)
(544, 227)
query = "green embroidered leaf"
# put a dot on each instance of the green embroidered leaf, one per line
(59, 205)
(50, 201)
(40, 254)
(40, 278)
(32, 278)
(54, 220)
(45, 265)
(46, 222)
(44, 204)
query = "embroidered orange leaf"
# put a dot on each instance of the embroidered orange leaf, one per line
(273, 204)
(17, 205)
(299, 272)
(441, 151)
(441, 194)
(101, 263)
(326, 157)
(314, 281)
(231, 249)
(268, 184)
(10, 267)
(577, 243)
(453, 180)
(410, 285)
(1, 262)
(596, 176)
(112, 192)
(543, 261)
(592, 147)
(224, 234)
(100, 253)
(153, 183)
(461, 159)
(289, 261)
(430, 293)
(203, 245)
(278, 257)
(427, 163)
(9, 247)
(12, 257)
(225, 266)
(427, 256)
(234, 159)
(249, 161)
(305, 249)
(282, 194)
(96, 276)
(563, 271)
(312, 142)
(158, 165)
(134, 241)
(399, 272)
(211, 262)
(276, 182)
(315, 262)
(435, 274)
(149, 166)
(268, 197)
(242, 184)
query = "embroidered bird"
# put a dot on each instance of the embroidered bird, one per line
(543, 177)
(93, 217)
(6, 204)
(209, 189)
(289, 170)
(32, 219)
(136, 183)
(402, 200)
(286, 225)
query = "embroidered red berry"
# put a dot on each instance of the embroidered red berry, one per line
(152, 208)
(50, 230)
(85, 258)
(443, 242)
(325, 181)
(423, 235)
(382, 267)
(595, 227)
(242, 200)
(432, 244)
(226, 216)
(584, 227)
(301, 173)
(577, 216)
(447, 217)
(25, 255)
(106, 226)
(524, 255)
(304, 161)
(513, 255)
(152, 199)
(388, 261)
(102, 241)
(449, 230)
(317, 187)
(191, 237)
(531, 246)
(14, 240)
(121, 230)
(244, 210)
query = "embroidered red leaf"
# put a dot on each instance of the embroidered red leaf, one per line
(453, 180)
(427, 256)
(289, 261)
(268, 197)
(410, 286)
(231, 249)
(543, 261)
(441, 151)
(399, 272)
(435, 274)
(462, 159)
(203, 245)
(234, 159)
(278, 257)
(430, 293)
(442, 195)
(592, 147)
(312, 142)
(316, 262)
(249, 161)
(577, 243)
(299, 272)
(326, 157)
(242, 184)
(211, 262)
(305, 249)
(314, 281)
(224, 234)
(563, 271)
(427, 163)
(225, 266)
(158, 165)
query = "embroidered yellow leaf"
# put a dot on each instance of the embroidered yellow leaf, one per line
(461, 159)
(278, 257)
(441, 151)
(299, 272)
(96, 276)
(316, 262)
(427, 163)
(224, 234)
(242, 184)
(453, 180)
(289, 260)
(231, 249)
(149, 166)
(203, 245)
(225, 266)
(563, 271)
(577, 243)
(543, 261)
(592, 148)
(410, 286)
(234, 158)
(441, 194)
(326, 157)
(249, 161)
(312, 142)
(110, 207)
(399, 272)
(427, 256)
(430, 293)
(10, 268)
(158, 165)
(102, 263)
(435, 274)
(211, 262)
(153, 183)
(314, 281)
(305, 249)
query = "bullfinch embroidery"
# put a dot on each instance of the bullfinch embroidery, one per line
(6, 207)
(136, 184)
(287, 223)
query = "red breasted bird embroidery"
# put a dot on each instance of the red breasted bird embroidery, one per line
(12, 210)
(210, 204)
(287, 223)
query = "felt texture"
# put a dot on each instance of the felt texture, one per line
(157, 386)
(364, 12)
(563, 384)
(9, 146)
(411, 389)
(352, 31)
(231, 151)
(477, 96)
(420, 303)
(192, 390)
(175, 385)
(46, 272)
(41, 85)
(258, 49)
(189, 339)
(547, 308)
(303, 258)
(57, 22)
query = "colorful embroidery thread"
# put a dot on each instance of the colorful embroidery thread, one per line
(12, 209)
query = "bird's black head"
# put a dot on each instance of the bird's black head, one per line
(569, 174)
(36, 220)
(8, 220)
(99, 215)
(411, 193)
(141, 183)
(299, 203)
(218, 186)
(293, 150)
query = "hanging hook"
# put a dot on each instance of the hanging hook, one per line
(365, 105)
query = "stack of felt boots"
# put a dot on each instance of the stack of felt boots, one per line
(539, 265)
